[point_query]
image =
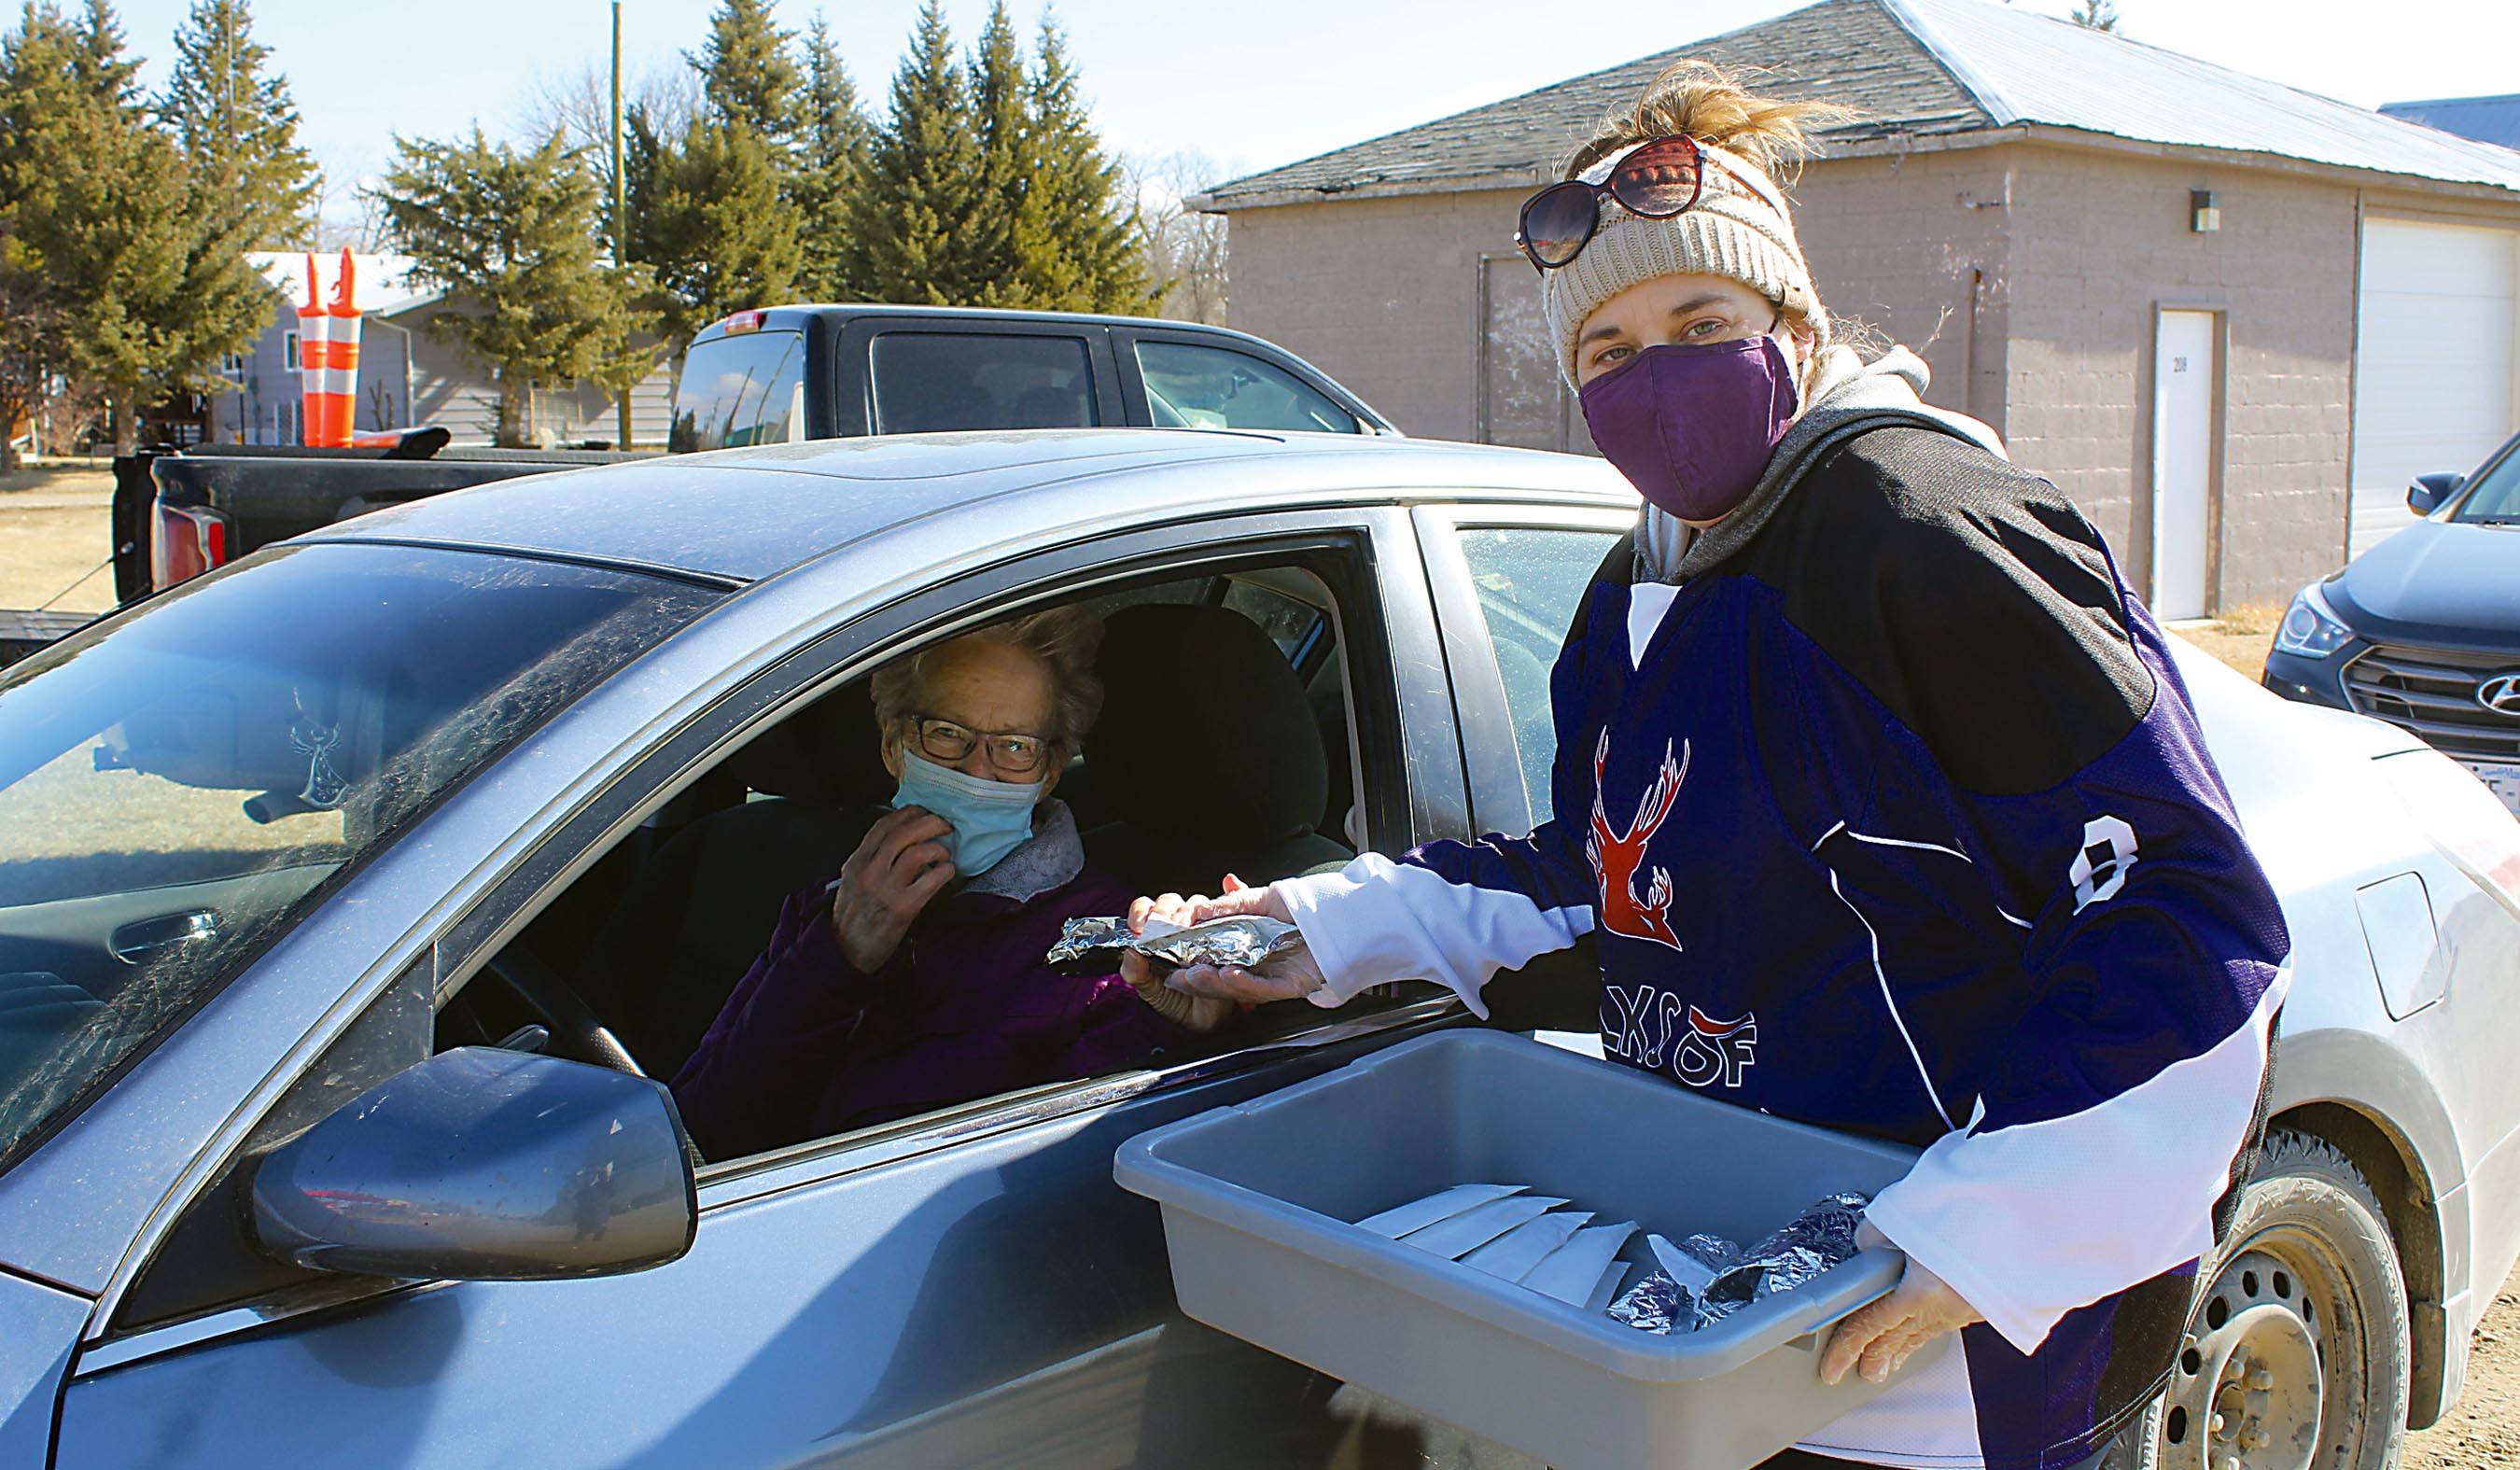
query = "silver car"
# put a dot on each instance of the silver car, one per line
(345, 895)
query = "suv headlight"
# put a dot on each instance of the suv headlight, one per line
(2310, 627)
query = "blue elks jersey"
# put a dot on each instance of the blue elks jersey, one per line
(1900, 822)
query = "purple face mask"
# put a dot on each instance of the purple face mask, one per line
(1691, 425)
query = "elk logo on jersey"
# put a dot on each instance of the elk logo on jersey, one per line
(1617, 857)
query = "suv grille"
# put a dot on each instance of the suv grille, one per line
(2432, 691)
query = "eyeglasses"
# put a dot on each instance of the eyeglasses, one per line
(1009, 751)
(1660, 178)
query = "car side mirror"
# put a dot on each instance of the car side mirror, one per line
(484, 1165)
(2430, 490)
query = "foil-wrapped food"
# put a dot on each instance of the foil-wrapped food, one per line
(1090, 946)
(1707, 1278)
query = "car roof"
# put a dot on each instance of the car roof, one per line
(745, 514)
(794, 316)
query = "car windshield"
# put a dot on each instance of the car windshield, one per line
(177, 786)
(2495, 499)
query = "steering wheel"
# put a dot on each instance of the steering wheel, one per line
(577, 1031)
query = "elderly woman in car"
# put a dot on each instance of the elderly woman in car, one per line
(915, 979)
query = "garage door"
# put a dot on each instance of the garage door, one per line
(2433, 385)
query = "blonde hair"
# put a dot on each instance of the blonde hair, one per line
(1066, 641)
(1710, 104)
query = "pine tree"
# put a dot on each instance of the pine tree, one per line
(746, 75)
(911, 238)
(92, 200)
(1075, 232)
(709, 223)
(237, 127)
(2095, 14)
(515, 234)
(1001, 107)
(830, 163)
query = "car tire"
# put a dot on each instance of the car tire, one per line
(2296, 1353)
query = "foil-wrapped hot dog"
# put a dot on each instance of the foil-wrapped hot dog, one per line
(1088, 945)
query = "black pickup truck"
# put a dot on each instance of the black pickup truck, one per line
(770, 375)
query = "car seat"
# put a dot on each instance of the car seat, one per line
(1207, 756)
(697, 914)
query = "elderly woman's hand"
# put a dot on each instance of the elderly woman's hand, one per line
(1878, 1339)
(1284, 978)
(899, 865)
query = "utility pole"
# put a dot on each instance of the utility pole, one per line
(620, 213)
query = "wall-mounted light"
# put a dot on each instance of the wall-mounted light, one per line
(2204, 216)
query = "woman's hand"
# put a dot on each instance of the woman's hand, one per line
(898, 866)
(1201, 1013)
(1284, 978)
(1878, 1339)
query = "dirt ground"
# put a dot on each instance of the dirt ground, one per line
(53, 537)
(2485, 1428)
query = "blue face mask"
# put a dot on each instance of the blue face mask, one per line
(991, 817)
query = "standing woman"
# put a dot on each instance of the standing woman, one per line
(1896, 819)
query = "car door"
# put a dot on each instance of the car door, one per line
(963, 1288)
(1506, 581)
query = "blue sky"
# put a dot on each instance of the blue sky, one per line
(1250, 85)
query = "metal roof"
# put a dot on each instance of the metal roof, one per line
(2486, 119)
(750, 514)
(1914, 68)
(2030, 68)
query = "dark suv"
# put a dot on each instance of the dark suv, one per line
(788, 373)
(2423, 630)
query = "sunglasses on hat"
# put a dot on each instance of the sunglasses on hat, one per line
(1660, 178)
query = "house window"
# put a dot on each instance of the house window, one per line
(289, 352)
(284, 421)
(232, 365)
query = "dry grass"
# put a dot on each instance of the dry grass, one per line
(54, 534)
(2239, 638)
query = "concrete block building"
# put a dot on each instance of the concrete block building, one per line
(2231, 319)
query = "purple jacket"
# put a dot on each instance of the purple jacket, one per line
(807, 1045)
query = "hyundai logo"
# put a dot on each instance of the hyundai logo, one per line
(2501, 694)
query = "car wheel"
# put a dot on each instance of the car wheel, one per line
(2296, 1352)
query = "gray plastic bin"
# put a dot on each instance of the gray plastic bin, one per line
(1257, 1199)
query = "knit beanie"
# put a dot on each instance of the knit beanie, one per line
(1740, 228)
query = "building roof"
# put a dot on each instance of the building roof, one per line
(1914, 68)
(2486, 119)
(377, 282)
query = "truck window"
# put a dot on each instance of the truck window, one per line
(745, 388)
(1191, 386)
(929, 382)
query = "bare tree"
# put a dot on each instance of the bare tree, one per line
(1185, 250)
(577, 105)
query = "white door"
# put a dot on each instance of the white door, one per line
(2433, 385)
(2183, 461)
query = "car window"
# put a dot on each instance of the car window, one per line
(2496, 499)
(1529, 582)
(1194, 386)
(780, 816)
(174, 790)
(747, 387)
(931, 381)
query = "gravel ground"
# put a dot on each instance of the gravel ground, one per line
(53, 531)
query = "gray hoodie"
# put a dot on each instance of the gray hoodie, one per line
(1851, 396)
